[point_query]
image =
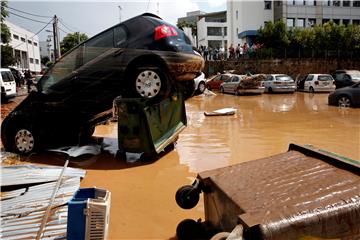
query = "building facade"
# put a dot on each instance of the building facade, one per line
(26, 48)
(212, 30)
(300, 13)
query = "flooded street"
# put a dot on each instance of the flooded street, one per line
(143, 194)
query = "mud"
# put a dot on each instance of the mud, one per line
(143, 194)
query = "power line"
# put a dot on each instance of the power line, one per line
(29, 13)
(66, 26)
(35, 33)
(63, 30)
(27, 18)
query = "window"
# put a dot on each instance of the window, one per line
(336, 21)
(237, 14)
(16, 37)
(311, 22)
(29, 41)
(35, 44)
(267, 4)
(7, 76)
(225, 31)
(346, 22)
(356, 21)
(278, 3)
(23, 39)
(37, 61)
(98, 45)
(336, 3)
(346, 3)
(119, 36)
(325, 20)
(214, 31)
(324, 78)
(329, 3)
(300, 22)
(299, 2)
(290, 22)
(356, 3)
(31, 60)
(237, 31)
(309, 78)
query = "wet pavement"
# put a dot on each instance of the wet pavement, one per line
(143, 194)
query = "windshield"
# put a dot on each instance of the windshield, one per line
(79, 56)
(283, 78)
(7, 76)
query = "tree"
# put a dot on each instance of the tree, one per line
(193, 26)
(71, 40)
(5, 32)
(7, 58)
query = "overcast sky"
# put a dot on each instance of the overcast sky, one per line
(92, 17)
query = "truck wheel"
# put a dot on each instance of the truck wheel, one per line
(151, 82)
(187, 197)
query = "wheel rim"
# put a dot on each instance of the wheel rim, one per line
(148, 84)
(344, 102)
(24, 141)
(201, 87)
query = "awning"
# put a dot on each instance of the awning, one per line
(247, 33)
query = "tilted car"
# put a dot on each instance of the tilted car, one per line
(7, 84)
(242, 84)
(143, 57)
(317, 83)
(279, 83)
(214, 82)
(345, 78)
(346, 97)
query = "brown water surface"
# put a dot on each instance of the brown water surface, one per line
(143, 194)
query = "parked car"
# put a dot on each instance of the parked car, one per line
(214, 82)
(200, 83)
(344, 78)
(317, 83)
(143, 57)
(279, 83)
(8, 84)
(242, 84)
(346, 97)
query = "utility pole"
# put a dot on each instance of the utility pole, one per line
(56, 39)
(119, 13)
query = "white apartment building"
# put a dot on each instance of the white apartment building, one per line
(26, 48)
(212, 30)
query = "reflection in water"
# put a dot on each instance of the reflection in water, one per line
(264, 125)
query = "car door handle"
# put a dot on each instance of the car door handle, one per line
(118, 52)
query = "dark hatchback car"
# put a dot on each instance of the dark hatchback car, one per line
(345, 78)
(346, 97)
(142, 57)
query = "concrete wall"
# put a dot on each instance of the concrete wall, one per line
(292, 67)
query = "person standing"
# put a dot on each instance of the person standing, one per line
(28, 80)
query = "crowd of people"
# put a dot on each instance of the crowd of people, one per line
(232, 53)
(24, 77)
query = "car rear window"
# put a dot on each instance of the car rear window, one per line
(355, 77)
(283, 78)
(325, 78)
(7, 76)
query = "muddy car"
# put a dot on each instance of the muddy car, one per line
(77, 92)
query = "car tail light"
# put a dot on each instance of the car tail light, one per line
(164, 31)
(316, 82)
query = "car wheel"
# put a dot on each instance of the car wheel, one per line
(344, 101)
(23, 139)
(311, 90)
(151, 82)
(201, 87)
(222, 90)
(270, 90)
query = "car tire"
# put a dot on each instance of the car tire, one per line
(270, 90)
(344, 101)
(23, 139)
(311, 90)
(201, 87)
(151, 82)
(222, 90)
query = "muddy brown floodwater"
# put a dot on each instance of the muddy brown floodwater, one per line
(143, 195)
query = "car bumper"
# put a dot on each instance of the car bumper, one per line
(184, 66)
(324, 89)
(284, 89)
(252, 91)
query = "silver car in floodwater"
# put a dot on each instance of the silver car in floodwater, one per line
(279, 83)
(232, 85)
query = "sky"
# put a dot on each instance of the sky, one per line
(92, 17)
